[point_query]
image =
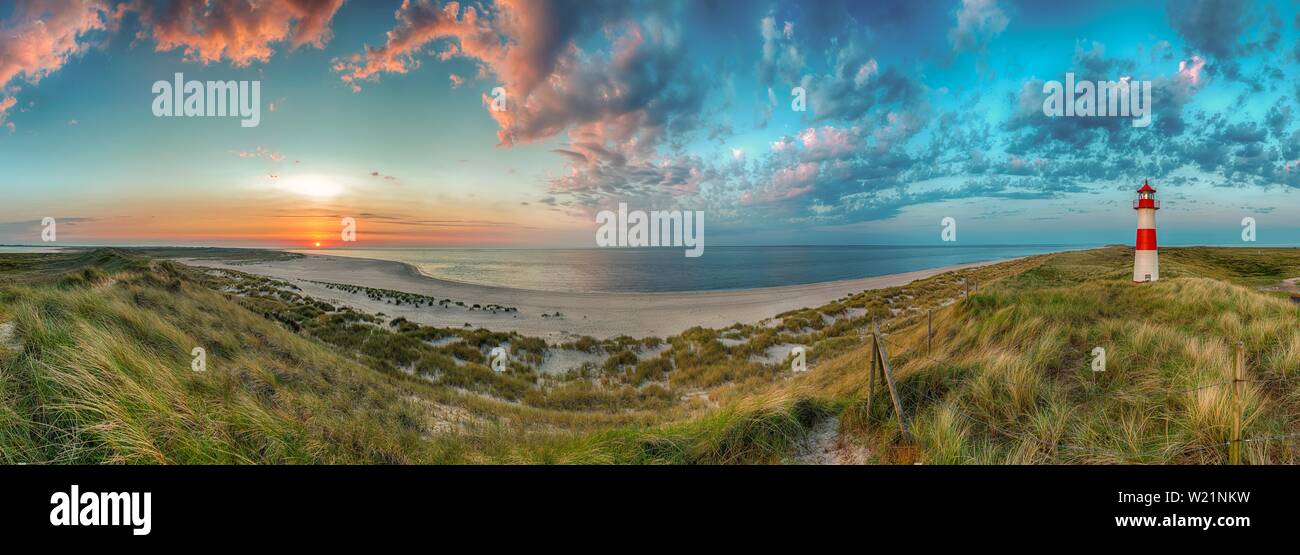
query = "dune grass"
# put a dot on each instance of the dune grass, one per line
(99, 371)
(96, 367)
(1010, 379)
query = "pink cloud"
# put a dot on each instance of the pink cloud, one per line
(828, 142)
(242, 31)
(866, 72)
(259, 152)
(785, 184)
(420, 22)
(5, 104)
(799, 174)
(40, 37)
(1189, 71)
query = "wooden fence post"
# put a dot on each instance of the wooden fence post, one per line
(871, 389)
(883, 353)
(1238, 403)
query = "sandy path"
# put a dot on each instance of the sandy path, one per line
(599, 315)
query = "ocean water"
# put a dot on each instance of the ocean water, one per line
(667, 270)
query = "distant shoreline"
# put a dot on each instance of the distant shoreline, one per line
(663, 270)
(599, 314)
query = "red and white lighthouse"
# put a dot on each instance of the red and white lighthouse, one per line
(1146, 264)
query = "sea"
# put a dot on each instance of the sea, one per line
(661, 270)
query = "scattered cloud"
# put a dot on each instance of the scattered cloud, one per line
(634, 109)
(259, 152)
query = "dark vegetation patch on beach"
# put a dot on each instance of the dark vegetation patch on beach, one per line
(400, 298)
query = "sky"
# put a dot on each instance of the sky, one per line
(784, 123)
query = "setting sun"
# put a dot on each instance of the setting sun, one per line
(318, 243)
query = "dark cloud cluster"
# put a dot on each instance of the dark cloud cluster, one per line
(1211, 27)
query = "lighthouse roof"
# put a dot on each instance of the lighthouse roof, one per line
(1146, 188)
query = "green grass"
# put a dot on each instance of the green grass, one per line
(1010, 379)
(104, 374)
(98, 369)
(100, 372)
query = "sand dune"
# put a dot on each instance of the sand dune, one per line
(599, 315)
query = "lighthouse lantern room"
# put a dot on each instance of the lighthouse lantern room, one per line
(1146, 264)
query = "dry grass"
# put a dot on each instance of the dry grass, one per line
(97, 370)
(1009, 381)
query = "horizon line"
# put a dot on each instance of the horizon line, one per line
(899, 245)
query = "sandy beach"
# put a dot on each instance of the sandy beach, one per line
(600, 315)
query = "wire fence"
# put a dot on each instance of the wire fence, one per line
(924, 352)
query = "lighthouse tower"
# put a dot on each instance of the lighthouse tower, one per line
(1146, 265)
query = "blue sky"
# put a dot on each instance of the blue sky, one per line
(915, 111)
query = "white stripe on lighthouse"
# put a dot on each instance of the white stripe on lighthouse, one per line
(1146, 266)
(1146, 218)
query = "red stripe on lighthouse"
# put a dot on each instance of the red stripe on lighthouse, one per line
(1146, 240)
